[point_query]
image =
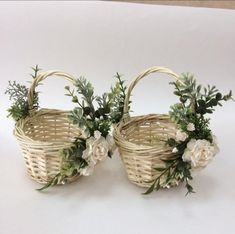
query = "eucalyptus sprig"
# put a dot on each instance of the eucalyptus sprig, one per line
(189, 115)
(18, 95)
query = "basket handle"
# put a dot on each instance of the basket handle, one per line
(147, 72)
(42, 77)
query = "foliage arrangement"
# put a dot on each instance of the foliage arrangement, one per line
(94, 115)
(194, 145)
(18, 95)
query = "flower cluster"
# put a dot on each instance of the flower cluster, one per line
(97, 150)
(194, 145)
(197, 152)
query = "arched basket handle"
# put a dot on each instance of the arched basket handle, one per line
(147, 72)
(42, 77)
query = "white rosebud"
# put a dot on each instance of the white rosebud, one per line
(199, 153)
(97, 134)
(190, 127)
(181, 136)
(175, 150)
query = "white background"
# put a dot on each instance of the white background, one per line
(97, 39)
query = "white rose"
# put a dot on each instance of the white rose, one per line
(97, 148)
(88, 170)
(190, 127)
(181, 136)
(199, 152)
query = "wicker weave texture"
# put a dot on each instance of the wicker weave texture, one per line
(141, 139)
(43, 134)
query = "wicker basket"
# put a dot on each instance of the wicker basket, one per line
(43, 134)
(138, 138)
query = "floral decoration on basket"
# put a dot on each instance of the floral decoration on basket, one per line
(160, 151)
(59, 146)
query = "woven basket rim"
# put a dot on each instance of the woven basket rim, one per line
(19, 133)
(134, 146)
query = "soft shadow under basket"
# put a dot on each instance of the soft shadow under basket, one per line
(43, 134)
(137, 138)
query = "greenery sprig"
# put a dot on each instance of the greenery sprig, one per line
(18, 95)
(108, 111)
(189, 115)
(93, 115)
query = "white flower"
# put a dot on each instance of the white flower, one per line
(96, 148)
(100, 150)
(97, 134)
(88, 170)
(199, 152)
(190, 127)
(181, 136)
(175, 150)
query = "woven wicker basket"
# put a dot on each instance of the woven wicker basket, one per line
(138, 138)
(43, 134)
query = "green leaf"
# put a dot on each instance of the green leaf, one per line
(189, 189)
(160, 169)
(150, 189)
(183, 99)
(201, 103)
(171, 142)
(52, 182)
(209, 111)
(177, 93)
(212, 102)
(218, 96)
(87, 110)
(75, 99)
(199, 88)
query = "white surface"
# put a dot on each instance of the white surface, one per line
(96, 39)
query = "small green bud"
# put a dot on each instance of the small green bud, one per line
(75, 99)
(87, 110)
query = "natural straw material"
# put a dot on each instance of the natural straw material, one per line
(141, 139)
(43, 134)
